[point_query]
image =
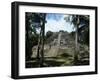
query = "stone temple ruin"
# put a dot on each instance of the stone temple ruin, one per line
(59, 41)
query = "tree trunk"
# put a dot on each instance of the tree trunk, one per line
(38, 47)
(42, 42)
(76, 40)
(76, 43)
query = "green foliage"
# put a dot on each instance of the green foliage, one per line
(65, 55)
(31, 33)
(81, 23)
(48, 34)
(35, 23)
